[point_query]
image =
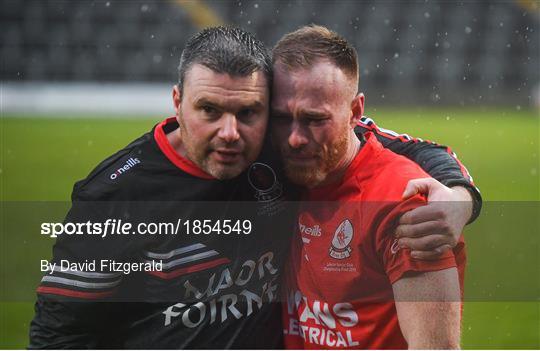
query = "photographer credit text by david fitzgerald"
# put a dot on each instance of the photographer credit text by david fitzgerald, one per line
(104, 266)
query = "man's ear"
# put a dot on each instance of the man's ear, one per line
(177, 98)
(357, 108)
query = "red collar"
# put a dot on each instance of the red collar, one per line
(178, 160)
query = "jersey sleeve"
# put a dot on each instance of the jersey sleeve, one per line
(439, 161)
(398, 261)
(75, 307)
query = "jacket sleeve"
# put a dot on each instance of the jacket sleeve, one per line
(439, 161)
(75, 307)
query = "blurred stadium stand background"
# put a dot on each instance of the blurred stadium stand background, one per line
(411, 52)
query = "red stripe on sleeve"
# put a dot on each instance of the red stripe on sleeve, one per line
(73, 293)
(372, 126)
(464, 170)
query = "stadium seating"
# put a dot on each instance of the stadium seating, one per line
(438, 52)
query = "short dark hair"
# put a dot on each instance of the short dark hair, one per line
(228, 50)
(309, 44)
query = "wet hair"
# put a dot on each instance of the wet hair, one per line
(229, 50)
(309, 44)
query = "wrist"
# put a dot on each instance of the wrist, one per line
(473, 191)
(463, 192)
(466, 199)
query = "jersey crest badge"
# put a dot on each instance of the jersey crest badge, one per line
(268, 189)
(341, 243)
(263, 180)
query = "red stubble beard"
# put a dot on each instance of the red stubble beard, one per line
(326, 159)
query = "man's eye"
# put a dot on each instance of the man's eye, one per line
(316, 121)
(245, 113)
(209, 109)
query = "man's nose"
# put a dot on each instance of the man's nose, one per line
(298, 137)
(229, 128)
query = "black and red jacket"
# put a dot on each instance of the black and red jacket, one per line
(215, 291)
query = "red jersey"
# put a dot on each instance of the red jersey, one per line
(345, 257)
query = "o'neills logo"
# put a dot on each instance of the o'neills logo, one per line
(130, 163)
(341, 248)
(313, 231)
